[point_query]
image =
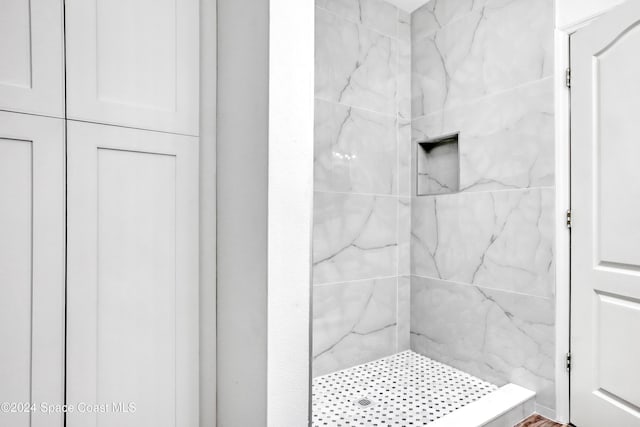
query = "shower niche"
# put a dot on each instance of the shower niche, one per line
(438, 166)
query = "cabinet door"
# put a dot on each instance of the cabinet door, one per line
(31, 267)
(132, 277)
(134, 63)
(31, 65)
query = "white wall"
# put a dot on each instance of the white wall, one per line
(208, 213)
(571, 12)
(264, 211)
(242, 151)
(291, 92)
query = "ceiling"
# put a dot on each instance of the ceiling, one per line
(408, 5)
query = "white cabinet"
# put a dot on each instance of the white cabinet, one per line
(31, 57)
(134, 63)
(132, 289)
(131, 224)
(31, 266)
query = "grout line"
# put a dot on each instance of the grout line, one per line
(430, 197)
(484, 97)
(367, 26)
(551, 297)
(349, 193)
(450, 23)
(342, 104)
(472, 192)
(354, 281)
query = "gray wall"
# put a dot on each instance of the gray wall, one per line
(361, 185)
(482, 285)
(242, 144)
(208, 58)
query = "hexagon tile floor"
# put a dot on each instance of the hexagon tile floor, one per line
(406, 389)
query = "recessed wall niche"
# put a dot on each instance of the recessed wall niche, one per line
(438, 169)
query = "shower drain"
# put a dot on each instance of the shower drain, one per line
(364, 402)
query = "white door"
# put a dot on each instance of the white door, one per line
(31, 57)
(605, 237)
(31, 268)
(132, 287)
(134, 63)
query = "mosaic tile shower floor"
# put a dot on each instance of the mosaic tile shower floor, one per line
(406, 389)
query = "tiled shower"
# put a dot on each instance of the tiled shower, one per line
(463, 274)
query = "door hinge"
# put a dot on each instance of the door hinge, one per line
(568, 360)
(567, 77)
(569, 218)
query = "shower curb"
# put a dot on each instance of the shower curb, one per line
(504, 407)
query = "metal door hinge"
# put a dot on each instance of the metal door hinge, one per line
(569, 218)
(567, 77)
(568, 362)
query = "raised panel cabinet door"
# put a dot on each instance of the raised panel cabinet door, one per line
(132, 277)
(605, 231)
(32, 58)
(134, 63)
(32, 210)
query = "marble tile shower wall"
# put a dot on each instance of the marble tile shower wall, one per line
(362, 206)
(482, 260)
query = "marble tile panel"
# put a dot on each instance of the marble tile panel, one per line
(501, 240)
(404, 158)
(499, 46)
(404, 25)
(354, 65)
(437, 13)
(404, 314)
(375, 14)
(354, 150)
(404, 236)
(498, 336)
(354, 237)
(353, 323)
(424, 21)
(404, 80)
(506, 140)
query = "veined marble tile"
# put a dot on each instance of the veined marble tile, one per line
(438, 13)
(404, 313)
(353, 323)
(355, 150)
(376, 14)
(355, 66)
(499, 46)
(404, 158)
(354, 237)
(404, 25)
(498, 336)
(501, 240)
(404, 80)
(506, 140)
(404, 236)
(424, 21)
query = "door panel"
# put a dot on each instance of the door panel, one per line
(31, 70)
(134, 63)
(15, 265)
(31, 266)
(614, 314)
(605, 237)
(132, 275)
(616, 72)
